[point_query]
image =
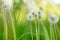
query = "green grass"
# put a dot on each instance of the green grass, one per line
(15, 26)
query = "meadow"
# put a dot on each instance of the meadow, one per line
(29, 21)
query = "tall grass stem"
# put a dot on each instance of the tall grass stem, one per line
(31, 30)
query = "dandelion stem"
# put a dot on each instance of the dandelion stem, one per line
(36, 30)
(13, 27)
(45, 30)
(31, 31)
(5, 24)
(52, 36)
(58, 31)
(55, 32)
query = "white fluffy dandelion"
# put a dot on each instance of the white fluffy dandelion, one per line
(53, 18)
(29, 4)
(8, 3)
(39, 13)
(30, 16)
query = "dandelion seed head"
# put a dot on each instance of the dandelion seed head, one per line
(1, 3)
(39, 13)
(8, 3)
(53, 18)
(30, 16)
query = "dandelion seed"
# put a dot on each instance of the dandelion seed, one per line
(53, 18)
(30, 16)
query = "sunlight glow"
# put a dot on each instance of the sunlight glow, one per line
(56, 1)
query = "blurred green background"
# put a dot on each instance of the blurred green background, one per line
(17, 19)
